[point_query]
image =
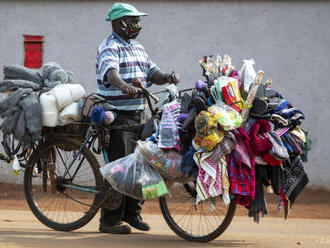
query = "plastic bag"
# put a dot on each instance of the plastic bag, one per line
(167, 163)
(228, 117)
(133, 176)
(247, 74)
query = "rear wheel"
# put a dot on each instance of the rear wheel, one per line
(63, 202)
(200, 223)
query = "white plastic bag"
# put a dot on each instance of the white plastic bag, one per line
(247, 74)
(132, 176)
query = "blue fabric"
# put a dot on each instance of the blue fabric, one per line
(98, 115)
(188, 164)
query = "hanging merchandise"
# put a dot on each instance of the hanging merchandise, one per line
(168, 131)
(210, 178)
(167, 163)
(232, 95)
(226, 116)
(247, 74)
(208, 132)
(133, 176)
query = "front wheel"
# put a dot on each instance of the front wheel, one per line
(200, 223)
(63, 201)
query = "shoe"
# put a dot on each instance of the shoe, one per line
(136, 222)
(115, 229)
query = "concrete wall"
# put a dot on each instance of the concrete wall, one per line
(290, 41)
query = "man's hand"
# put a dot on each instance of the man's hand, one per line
(175, 78)
(128, 90)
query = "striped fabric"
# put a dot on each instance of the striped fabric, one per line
(131, 61)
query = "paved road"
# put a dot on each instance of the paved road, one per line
(21, 229)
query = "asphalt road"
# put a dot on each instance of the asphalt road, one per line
(19, 228)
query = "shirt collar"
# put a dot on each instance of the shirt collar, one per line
(120, 39)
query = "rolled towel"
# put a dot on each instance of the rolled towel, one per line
(62, 95)
(69, 114)
(77, 91)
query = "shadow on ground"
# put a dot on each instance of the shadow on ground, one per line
(49, 239)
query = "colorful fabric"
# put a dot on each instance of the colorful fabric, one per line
(209, 179)
(241, 176)
(132, 62)
(208, 134)
(224, 147)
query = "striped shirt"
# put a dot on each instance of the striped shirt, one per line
(131, 61)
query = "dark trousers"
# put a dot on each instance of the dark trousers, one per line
(122, 143)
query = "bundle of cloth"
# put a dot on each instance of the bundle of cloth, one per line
(31, 99)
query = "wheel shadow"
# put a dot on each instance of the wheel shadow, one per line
(49, 239)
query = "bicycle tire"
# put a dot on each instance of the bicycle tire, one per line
(58, 209)
(195, 217)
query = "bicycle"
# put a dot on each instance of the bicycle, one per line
(64, 187)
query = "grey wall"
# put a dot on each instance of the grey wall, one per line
(288, 39)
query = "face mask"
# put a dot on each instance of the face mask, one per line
(131, 30)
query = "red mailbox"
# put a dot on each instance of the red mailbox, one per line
(33, 51)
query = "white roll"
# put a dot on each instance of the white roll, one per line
(62, 95)
(49, 119)
(48, 103)
(77, 91)
(69, 114)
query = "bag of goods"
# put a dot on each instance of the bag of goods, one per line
(167, 163)
(226, 116)
(134, 177)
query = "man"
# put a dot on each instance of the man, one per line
(121, 61)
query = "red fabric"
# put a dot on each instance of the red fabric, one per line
(269, 159)
(283, 197)
(260, 143)
(241, 176)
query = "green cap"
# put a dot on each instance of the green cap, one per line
(119, 10)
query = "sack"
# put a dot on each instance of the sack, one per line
(134, 177)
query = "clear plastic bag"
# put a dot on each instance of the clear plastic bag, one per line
(227, 117)
(133, 176)
(167, 163)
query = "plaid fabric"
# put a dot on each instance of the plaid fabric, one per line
(239, 177)
(131, 61)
